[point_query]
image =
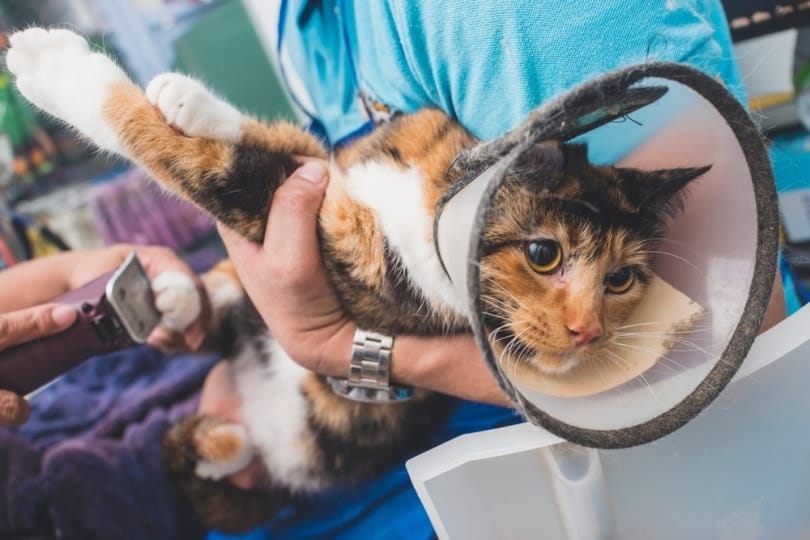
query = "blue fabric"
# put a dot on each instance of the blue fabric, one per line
(790, 157)
(88, 463)
(487, 63)
(796, 294)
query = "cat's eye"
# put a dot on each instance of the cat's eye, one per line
(621, 280)
(544, 256)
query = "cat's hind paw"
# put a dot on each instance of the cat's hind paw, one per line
(56, 71)
(223, 449)
(177, 299)
(190, 108)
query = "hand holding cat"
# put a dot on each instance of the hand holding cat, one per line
(287, 282)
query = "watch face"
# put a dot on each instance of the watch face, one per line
(129, 292)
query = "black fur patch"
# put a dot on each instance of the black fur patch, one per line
(371, 445)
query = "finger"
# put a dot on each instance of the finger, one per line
(163, 339)
(158, 259)
(14, 410)
(194, 336)
(292, 224)
(32, 323)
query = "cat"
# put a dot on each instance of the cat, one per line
(564, 262)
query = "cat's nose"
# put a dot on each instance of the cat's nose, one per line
(582, 334)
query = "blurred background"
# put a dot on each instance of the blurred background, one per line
(55, 192)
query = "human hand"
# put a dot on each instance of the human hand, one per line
(83, 267)
(158, 261)
(21, 326)
(287, 282)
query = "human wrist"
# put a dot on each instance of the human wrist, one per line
(368, 377)
(450, 364)
(336, 352)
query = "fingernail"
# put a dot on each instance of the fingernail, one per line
(312, 171)
(14, 410)
(63, 316)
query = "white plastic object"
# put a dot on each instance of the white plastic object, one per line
(739, 471)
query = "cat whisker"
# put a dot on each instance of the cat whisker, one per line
(698, 327)
(491, 335)
(507, 292)
(640, 375)
(618, 357)
(665, 239)
(657, 334)
(515, 360)
(691, 348)
(497, 303)
(678, 257)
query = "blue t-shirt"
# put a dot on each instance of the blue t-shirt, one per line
(487, 63)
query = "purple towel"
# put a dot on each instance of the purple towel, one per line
(132, 208)
(88, 463)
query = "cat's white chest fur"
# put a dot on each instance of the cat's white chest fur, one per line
(397, 197)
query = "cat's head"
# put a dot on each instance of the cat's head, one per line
(568, 252)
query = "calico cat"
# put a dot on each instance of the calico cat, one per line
(564, 263)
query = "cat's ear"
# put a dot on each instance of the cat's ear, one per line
(658, 192)
(545, 160)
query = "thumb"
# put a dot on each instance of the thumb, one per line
(14, 409)
(293, 221)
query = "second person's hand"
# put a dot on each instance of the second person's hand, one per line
(22, 326)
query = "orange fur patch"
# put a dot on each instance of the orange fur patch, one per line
(214, 443)
(282, 137)
(154, 145)
(224, 269)
(353, 232)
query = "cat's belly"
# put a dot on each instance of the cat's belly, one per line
(397, 196)
(275, 411)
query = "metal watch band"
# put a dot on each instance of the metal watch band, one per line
(370, 371)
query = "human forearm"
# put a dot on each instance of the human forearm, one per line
(40, 280)
(451, 365)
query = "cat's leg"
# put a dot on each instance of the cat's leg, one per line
(309, 438)
(199, 452)
(58, 72)
(192, 109)
(223, 448)
(232, 179)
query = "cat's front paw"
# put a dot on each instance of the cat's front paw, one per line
(177, 299)
(56, 71)
(189, 107)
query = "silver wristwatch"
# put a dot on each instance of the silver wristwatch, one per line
(369, 371)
